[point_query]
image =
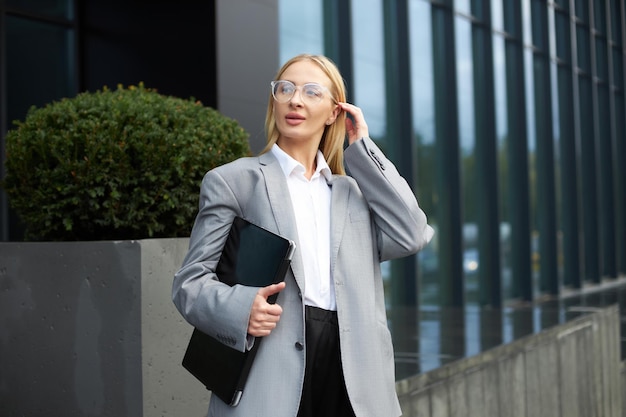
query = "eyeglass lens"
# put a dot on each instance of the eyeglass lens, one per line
(283, 91)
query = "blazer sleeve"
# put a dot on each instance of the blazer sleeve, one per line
(401, 225)
(206, 303)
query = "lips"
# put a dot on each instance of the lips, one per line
(294, 118)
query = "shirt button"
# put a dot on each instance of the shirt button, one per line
(299, 346)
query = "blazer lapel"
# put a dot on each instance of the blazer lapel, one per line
(282, 209)
(338, 213)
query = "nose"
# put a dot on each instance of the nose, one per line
(297, 96)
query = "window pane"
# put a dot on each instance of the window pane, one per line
(529, 63)
(614, 14)
(527, 22)
(562, 29)
(423, 102)
(462, 6)
(497, 16)
(301, 28)
(51, 8)
(465, 94)
(581, 10)
(599, 16)
(584, 53)
(369, 65)
(602, 61)
(618, 68)
(502, 127)
(50, 47)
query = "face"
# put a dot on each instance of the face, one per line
(299, 121)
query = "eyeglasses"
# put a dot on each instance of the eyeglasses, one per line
(311, 93)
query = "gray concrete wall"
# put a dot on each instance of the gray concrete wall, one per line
(572, 370)
(88, 329)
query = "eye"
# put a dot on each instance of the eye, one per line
(313, 90)
(285, 88)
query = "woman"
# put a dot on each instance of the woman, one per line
(327, 350)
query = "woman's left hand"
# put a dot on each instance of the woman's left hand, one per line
(356, 128)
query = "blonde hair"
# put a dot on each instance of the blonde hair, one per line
(334, 135)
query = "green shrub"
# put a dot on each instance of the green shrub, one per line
(115, 165)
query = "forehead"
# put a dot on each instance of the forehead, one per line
(305, 72)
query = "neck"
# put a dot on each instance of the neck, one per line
(307, 156)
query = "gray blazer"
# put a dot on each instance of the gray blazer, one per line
(374, 217)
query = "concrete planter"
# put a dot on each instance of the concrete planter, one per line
(88, 329)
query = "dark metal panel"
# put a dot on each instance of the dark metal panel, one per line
(338, 39)
(400, 129)
(517, 155)
(546, 190)
(568, 204)
(4, 204)
(448, 183)
(490, 286)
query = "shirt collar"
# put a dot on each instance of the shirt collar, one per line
(288, 164)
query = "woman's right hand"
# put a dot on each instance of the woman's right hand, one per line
(264, 316)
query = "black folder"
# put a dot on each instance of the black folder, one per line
(251, 256)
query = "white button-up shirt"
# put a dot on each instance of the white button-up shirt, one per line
(311, 204)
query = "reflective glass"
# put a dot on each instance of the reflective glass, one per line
(502, 138)
(49, 8)
(599, 16)
(581, 10)
(584, 50)
(602, 60)
(423, 104)
(618, 68)
(48, 46)
(465, 97)
(463, 6)
(368, 56)
(301, 28)
(562, 31)
(497, 15)
(527, 22)
(615, 12)
(369, 65)
(532, 166)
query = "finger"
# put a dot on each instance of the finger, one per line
(271, 289)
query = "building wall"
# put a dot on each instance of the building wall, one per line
(507, 118)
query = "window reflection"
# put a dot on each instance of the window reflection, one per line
(50, 47)
(465, 94)
(369, 65)
(423, 103)
(301, 28)
(50, 8)
(502, 140)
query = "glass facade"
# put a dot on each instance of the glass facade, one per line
(516, 138)
(506, 117)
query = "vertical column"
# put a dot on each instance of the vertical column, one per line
(448, 186)
(517, 154)
(4, 204)
(602, 131)
(569, 204)
(338, 39)
(585, 110)
(490, 287)
(546, 200)
(247, 59)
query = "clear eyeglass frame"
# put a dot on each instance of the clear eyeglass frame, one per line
(312, 93)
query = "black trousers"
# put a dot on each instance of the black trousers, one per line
(324, 393)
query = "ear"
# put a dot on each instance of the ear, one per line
(333, 115)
